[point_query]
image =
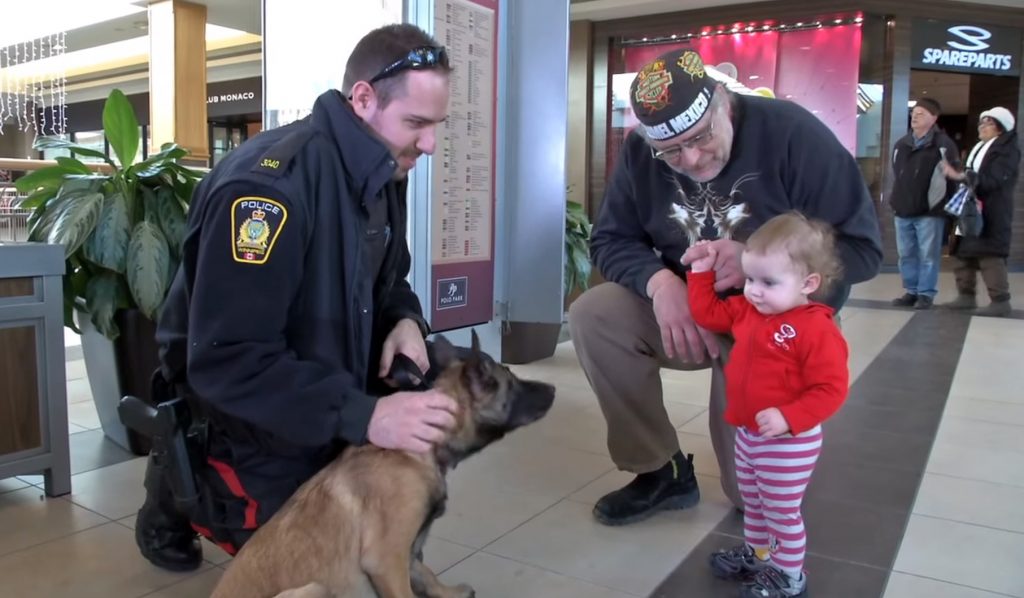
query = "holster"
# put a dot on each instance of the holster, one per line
(178, 436)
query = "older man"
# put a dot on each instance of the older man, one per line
(704, 164)
(919, 193)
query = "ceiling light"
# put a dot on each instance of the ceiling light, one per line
(114, 55)
(24, 22)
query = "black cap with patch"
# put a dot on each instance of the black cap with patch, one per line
(671, 93)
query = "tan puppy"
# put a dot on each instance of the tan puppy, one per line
(365, 516)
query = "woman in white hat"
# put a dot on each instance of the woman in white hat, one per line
(992, 171)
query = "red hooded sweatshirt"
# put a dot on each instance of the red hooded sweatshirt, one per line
(795, 361)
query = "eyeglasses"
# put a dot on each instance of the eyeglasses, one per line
(987, 121)
(672, 153)
(701, 140)
(424, 57)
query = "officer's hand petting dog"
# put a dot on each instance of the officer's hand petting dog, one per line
(411, 421)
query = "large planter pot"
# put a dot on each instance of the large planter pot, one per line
(118, 368)
(525, 342)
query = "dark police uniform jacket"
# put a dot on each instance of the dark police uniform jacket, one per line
(273, 318)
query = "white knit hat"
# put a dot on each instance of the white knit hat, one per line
(1002, 115)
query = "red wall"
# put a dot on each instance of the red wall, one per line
(816, 68)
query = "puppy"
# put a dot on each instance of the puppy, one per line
(361, 522)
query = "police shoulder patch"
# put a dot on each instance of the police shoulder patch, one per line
(256, 222)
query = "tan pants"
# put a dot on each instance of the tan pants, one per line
(618, 344)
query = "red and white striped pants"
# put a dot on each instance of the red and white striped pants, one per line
(772, 474)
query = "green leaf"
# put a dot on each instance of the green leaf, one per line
(42, 218)
(108, 244)
(84, 182)
(101, 300)
(577, 247)
(39, 230)
(171, 217)
(148, 258)
(79, 275)
(37, 198)
(69, 305)
(581, 261)
(73, 165)
(49, 177)
(171, 151)
(77, 217)
(148, 201)
(45, 143)
(121, 127)
(157, 163)
(184, 185)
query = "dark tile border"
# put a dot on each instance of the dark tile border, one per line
(1016, 314)
(859, 502)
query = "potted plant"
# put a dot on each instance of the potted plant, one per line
(577, 248)
(122, 230)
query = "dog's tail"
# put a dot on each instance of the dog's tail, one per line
(310, 590)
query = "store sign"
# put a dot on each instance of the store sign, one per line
(229, 98)
(965, 48)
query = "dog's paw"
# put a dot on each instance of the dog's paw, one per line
(463, 591)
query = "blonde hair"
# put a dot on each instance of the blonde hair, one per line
(810, 245)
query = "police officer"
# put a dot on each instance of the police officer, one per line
(291, 300)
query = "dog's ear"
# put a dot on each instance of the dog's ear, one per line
(444, 352)
(479, 370)
(476, 342)
(478, 361)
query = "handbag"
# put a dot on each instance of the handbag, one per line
(955, 205)
(965, 207)
(970, 222)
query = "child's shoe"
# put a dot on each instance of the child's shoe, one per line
(738, 563)
(773, 583)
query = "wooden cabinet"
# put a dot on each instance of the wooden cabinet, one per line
(33, 387)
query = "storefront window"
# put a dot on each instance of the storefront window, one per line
(870, 95)
(53, 154)
(92, 140)
(815, 64)
(224, 138)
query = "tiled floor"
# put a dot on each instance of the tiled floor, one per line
(897, 509)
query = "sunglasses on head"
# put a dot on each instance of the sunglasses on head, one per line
(424, 57)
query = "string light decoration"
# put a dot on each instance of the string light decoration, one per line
(742, 28)
(33, 97)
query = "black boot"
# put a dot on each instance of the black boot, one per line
(162, 533)
(674, 486)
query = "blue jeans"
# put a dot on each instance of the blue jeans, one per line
(919, 243)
